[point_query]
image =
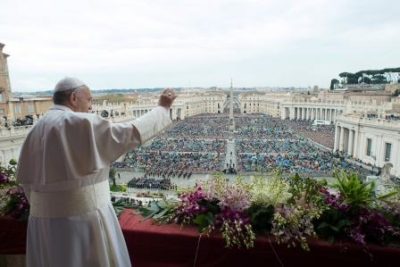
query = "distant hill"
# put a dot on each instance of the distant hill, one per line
(96, 92)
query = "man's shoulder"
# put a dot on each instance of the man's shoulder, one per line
(80, 117)
(69, 117)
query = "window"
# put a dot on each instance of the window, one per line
(388, 150)
(30, 108)
(369, 145)
(17, 109)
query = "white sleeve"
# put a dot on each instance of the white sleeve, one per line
(152, 123)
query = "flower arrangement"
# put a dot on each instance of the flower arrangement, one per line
(290, 209)
(12, 197)
(354, 212)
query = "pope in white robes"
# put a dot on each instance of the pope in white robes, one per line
(63, 167)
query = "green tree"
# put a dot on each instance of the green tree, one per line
(334, 84)
(365, 79)
(349, 78)
(379, 79)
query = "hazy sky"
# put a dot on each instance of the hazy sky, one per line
(171, 43)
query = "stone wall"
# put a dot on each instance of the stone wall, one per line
(392, 87)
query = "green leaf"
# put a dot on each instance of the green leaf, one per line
(354, 191)
(162, 204)
(203, 221)
(211, 205)
(145, 212)
(160, 214)
(388, 195)
(261, 217)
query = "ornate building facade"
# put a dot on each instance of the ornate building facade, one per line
(367, 122)
(186, 105)
(371, 139)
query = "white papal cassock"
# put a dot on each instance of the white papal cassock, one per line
(63, 167)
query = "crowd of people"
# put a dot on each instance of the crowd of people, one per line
(271, 146)
(262, 143)
(321, 134)
(175, 163)
(186, 145)
(203, 126)
(151, 183)
(195, 145)
(260, 126)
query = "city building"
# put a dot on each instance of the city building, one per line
(17, 108)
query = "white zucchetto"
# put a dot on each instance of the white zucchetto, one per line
(68, 83)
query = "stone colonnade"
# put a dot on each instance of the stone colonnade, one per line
(311, 113)
(346, 140)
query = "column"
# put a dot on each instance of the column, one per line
(283, 113)
(356, 142)
(336, 145)
(341, 140)
(350, 149)
(291, 112)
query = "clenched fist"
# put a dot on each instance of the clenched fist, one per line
(167, 98)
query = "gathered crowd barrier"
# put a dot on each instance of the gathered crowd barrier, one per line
(154, 245)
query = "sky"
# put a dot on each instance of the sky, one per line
(191, 43)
